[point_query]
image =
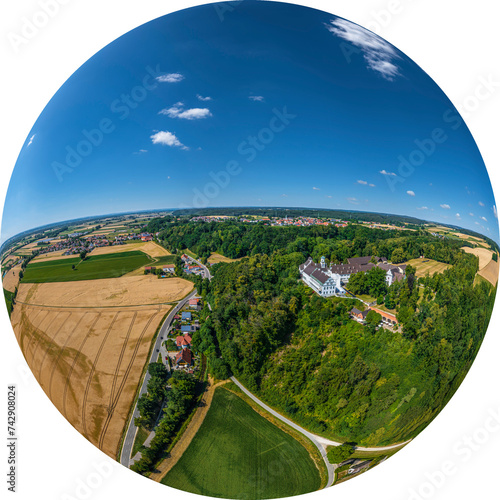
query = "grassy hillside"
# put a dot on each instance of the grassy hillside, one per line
(93, 267)
(239, 454)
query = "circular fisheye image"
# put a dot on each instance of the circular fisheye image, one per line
(250, 250)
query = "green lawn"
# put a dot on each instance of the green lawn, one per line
(94, 267)
(140, 437)
(239, 454)
(191, 254)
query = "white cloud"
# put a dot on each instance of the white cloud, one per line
(481, 204)
(364, 183)
(372, 185)
(384, 172)
(31, 140)
(471, 214)
(141, 152)
(379, 54)
(457, 215)
(410, 193)
(256, 98)
(204, 99)
(178, 111)
(328, 196)
(495, 212)
(170, 78)
(316, 189)
(167, 139)
(445, 206)
(284, 196)
(354, 201)
(484, 218)
(422, 208)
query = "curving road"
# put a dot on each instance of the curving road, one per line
(320, 442)
(128, 443)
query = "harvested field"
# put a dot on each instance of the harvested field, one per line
(216, 258)
(424, 266)
(483, 254)
(11, 279)
(490, 272)
(121, 292)
(89, 362)
(150, 247)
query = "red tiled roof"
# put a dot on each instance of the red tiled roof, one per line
(185, 356)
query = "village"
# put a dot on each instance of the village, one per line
(77, 242)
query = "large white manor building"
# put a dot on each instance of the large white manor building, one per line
(328, 281)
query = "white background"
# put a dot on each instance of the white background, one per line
(456, 43)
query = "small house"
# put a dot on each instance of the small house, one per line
(184, 358)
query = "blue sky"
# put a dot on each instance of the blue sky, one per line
(263, 104)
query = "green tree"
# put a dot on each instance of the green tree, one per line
(373, 319)
(398, 256)
(83, 254)
(337, 454)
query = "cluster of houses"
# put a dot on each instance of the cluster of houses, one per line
(184, 358)
(189, 267)
(329, 281)
(77, 242)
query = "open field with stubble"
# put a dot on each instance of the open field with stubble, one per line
(11, 279)
(121, 292)
(89, 362)
(216, 258)
(239, 454)
(483, 254)
(424, 266)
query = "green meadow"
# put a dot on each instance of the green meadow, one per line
(93, 267)
(238, 454)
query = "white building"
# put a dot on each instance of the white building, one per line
(320, 279)
(329, 281)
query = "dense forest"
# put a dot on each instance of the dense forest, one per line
(304, 355)
(235, 239)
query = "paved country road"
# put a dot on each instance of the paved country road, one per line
(128, 443)
(320, 442)
(125, 457)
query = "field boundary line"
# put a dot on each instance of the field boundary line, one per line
(189, 433)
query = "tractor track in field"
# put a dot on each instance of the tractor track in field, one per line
(79, 351)
(112, 407)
